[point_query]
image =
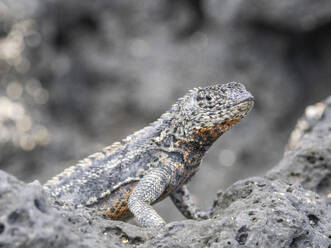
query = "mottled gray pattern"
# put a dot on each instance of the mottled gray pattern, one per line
(155, 161)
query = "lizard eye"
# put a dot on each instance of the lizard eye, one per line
(208, 98)
(200, 95)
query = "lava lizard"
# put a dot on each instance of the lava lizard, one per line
(129, 176)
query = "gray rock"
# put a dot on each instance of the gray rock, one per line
(28, 219)
(255, 213)
(309, 161)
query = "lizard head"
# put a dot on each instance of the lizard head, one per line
(223, 101)
(212, 110)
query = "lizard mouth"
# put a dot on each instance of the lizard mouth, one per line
(246, 103)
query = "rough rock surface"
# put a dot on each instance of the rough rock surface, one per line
(252, 213)
(279, 210)
(309, 161)
(27, 219)
(256, 213)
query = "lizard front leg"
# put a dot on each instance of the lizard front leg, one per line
(185, 204)
(147, 191)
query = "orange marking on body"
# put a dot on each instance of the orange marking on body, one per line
(214, 132)
(117, 208)
(117, 211)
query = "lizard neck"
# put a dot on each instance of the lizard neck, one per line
(196, 132)
(195, 142)
(177, 132)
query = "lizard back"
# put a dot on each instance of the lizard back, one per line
(97, 176)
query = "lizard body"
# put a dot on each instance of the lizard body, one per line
(129, 176)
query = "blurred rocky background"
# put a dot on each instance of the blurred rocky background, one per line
(78, 75)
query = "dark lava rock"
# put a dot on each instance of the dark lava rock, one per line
(309, 161)
(252, 213)
(255, 213)
(27, 219)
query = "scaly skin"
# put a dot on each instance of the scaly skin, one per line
(155, 162)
